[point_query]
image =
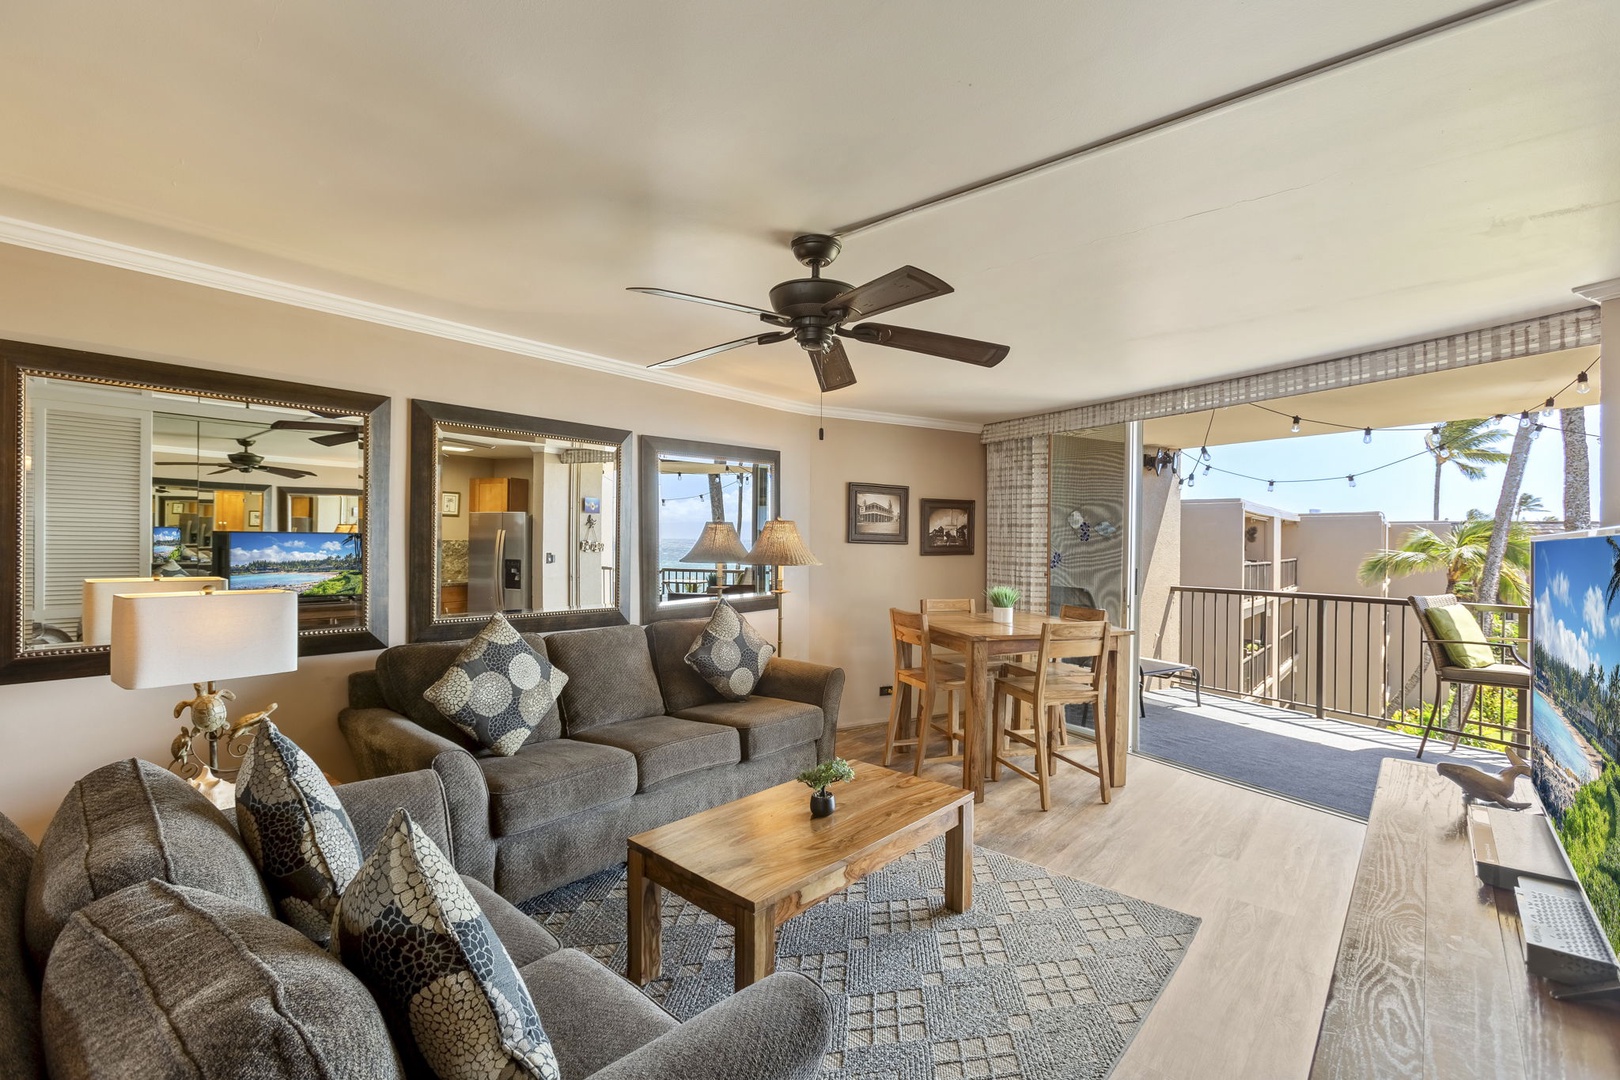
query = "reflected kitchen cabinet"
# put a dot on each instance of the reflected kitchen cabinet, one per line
(499, 494)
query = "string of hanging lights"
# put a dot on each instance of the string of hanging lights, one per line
(1581, 383)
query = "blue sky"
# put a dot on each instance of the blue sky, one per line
(1404, 492)
(1571, 619)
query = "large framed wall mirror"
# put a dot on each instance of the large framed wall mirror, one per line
(516, 514)
(702, 507)
(117, 469)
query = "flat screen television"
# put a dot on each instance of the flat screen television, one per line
(165, 542)
(316, 565)
(1575, 703)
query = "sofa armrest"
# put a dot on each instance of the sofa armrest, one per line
(370, 803)
(780, 1028)
(385, 743)
(813, 684)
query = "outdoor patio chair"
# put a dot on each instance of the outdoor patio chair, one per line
(1508, 672)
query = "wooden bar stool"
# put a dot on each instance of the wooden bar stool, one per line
(928, 678)
(965, 606)
(1052, 686)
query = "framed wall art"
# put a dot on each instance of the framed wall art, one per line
(946, 526)
(878, 514)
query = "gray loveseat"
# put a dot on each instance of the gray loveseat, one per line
(161, 957)
(639, 740)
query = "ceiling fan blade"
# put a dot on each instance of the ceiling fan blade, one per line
(291, 474)
(832, 368)
(226, 469)
(186, 464)
(756, 339)
(337, 439)
(310, 425)
(907, 285)
(967, 350)
(746, 309)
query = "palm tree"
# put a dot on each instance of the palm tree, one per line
(1577, 470)
(1461, 554)
(1529, 504)
(1614, 578)
(1470, 445)
(1491, 575)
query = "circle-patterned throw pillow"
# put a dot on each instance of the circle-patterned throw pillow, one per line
(411, 931)
(730, 654)
(499, 688)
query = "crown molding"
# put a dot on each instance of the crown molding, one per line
(1600, 291)
(27, 234)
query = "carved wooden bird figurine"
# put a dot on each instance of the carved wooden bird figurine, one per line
(1481, 785)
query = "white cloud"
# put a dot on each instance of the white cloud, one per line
(1560, 587)
(1558, 639)
(1595, 612)
(273, 553)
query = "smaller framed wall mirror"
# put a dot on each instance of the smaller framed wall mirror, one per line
(702, 508)
(517, 514)
(123, 475)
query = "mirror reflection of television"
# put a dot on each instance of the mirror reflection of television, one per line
(317, 566)
(165, 541)
(1576, 708)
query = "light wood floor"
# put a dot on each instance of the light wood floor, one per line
(1270, 879)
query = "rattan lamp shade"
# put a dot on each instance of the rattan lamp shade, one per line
(779, 544)
(718, 544)
(171, 639)
(99, 593)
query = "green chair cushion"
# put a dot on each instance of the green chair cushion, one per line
(1461, 636)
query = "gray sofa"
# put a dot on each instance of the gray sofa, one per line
(638, 740)
(161, 957)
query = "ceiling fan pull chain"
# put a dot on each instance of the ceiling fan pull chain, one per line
(821, 432)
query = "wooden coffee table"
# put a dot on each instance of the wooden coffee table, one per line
(761, 860)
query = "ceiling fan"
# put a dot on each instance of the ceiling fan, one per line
(813, 311)
(244, 461)
(340, 434)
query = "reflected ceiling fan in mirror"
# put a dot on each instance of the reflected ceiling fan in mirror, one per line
(814, 310)
(243, 461)
(338, 434)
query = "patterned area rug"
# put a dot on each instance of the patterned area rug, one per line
(1045, 976)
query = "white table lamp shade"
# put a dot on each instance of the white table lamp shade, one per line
(171, 639)
(99, 593)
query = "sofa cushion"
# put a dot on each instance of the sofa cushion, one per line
(416, 937)
(729, 654)
(404, 672)
(666, 746)
(499, 688)
(669, 640)
(161, 981)
(296, 830)
(19, 1004)
(124, 823)
(610, 676)
(551, 780)
(764, 724)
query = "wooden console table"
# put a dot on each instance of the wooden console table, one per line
(1430, 980)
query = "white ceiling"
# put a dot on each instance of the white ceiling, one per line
(514, 165)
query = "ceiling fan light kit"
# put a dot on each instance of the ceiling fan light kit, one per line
(813, 310)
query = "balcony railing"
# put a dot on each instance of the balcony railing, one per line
(677, 581)
(1290, 574)
(1256, 575)
(1358, 657)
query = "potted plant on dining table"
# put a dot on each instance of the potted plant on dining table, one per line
(1003, 598)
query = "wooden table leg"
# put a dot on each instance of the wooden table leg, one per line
(756, 946)
(1121, 710)
(645, 946)
(959, 861)
(976, 753)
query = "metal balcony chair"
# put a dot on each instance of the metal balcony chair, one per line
(1509, 672)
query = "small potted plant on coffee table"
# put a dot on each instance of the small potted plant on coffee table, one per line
(819, 778)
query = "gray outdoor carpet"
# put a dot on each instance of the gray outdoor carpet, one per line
(1044, 977)
(1328, 763)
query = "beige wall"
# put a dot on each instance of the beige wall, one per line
(1331, 546)
(1159, 563)
(53, 732)
(1212, 543)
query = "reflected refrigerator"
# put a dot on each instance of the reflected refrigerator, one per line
(498, 554)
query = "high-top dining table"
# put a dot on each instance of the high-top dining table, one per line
(981, 640)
